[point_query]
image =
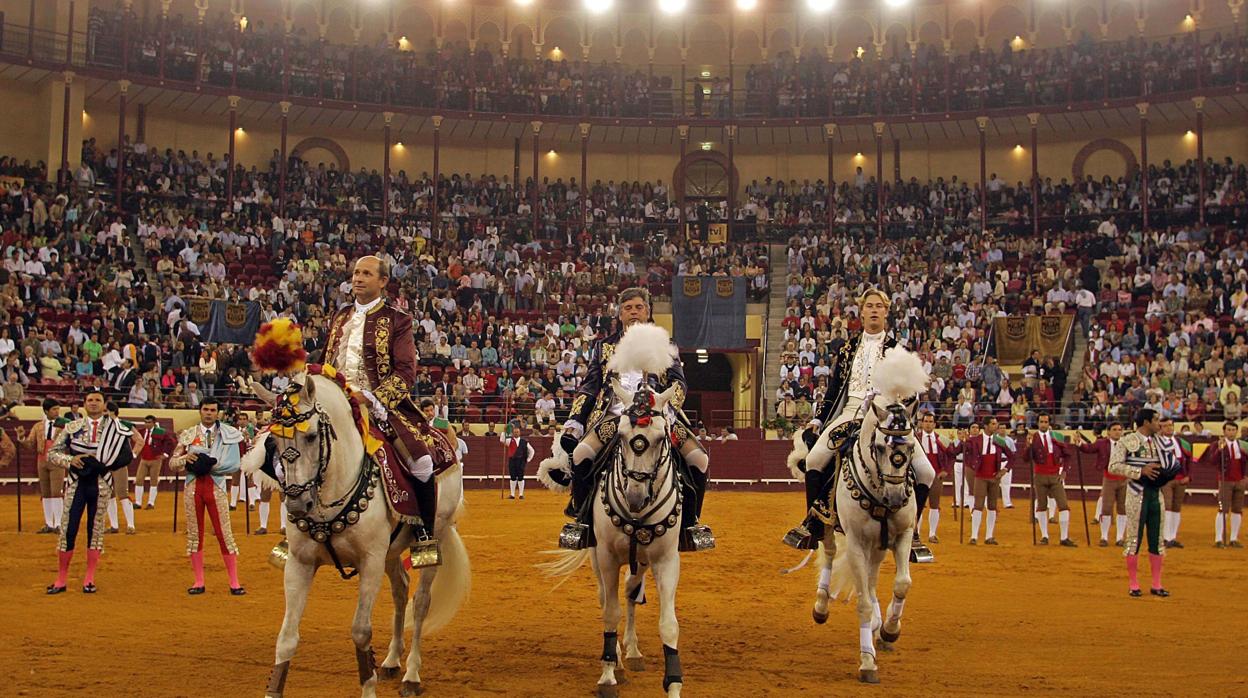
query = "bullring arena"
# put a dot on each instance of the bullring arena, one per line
(985, 621)
(366, 284)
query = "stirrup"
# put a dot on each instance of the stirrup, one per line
(697, 537)
(574, 536)
(801, 538)
(426, 551)
(921, 554)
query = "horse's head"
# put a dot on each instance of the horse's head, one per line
(302, 432)
(889, 434)
(643, 442)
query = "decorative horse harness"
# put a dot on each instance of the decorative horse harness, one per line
(864, 492)
(287, 420)
(639, 414)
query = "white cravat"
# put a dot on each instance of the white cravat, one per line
(1234, 448)
(1048, 441)
(931, 442)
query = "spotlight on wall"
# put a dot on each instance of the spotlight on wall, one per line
(705, 73)
(746, 5)
(597, 7)
(399, 145)
(239, 131)
(819, 5)
(552, 154)
(707, 145)
(524, 3)
(672, 7)
(895, 4)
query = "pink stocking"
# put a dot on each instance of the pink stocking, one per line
(1154, 562)
(1133, 571)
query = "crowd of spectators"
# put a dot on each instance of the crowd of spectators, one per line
(927, 80)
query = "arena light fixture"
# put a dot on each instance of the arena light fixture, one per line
(524, 3)
(896, 4)
(672, 7)
(820, 5)
(705, 73)
(707, 145)
(746, 5)
(597, 7)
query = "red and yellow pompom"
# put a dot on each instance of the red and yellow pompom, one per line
(279, 347)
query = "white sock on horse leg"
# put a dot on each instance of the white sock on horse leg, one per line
(1043, 519)
(1063, 523)
(112, 513)
(896, 607)
(1122, 526)
(1219, 529)
(422, 468)
(992, 524)
(866, 641)
(825, 578)
(1105, 528)
(1236, 519)
(976, 516)
(698, 459)
(264, 514)
(933, 519)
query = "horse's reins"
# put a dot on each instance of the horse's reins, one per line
(354, 502)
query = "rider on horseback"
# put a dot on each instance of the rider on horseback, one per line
(848, 386)
(593, 419)
(371, 345)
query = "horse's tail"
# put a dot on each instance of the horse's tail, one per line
(841, 582)
(450, 586)
(565, 562)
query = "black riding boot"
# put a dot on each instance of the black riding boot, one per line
(579, 534)
(694, 535)
(808, 534)
(425, 549)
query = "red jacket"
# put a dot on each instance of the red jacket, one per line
(1040, 456)
(940, 458)
(973, 456)
(159, 447)
(1101, 447)
(1229, 468)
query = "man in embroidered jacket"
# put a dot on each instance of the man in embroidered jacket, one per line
(1141, 459)
(371, 344)
(89, 449)
(209, 453)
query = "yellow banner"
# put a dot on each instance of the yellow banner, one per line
(1017, 336)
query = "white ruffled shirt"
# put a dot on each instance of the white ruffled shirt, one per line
(870, 351)
(351, 354)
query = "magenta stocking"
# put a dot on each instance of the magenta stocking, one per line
(62, 564)
(231, 568)
(1154, 563)
(1133, 571)
(197, 565)
(93, 561)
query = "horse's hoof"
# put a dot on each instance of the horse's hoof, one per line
(387, 673)
(819, 617)
(635, 663)
(889, 637)
(608, 691)
(410, 688)
(673, 691)
(868, 676)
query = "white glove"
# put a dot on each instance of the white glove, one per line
(815, 425)
(376, 410)
(576, 428)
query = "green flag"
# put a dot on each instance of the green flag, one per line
(439, 423)
(1186, 446)
(1000, 440)
(1059, 436)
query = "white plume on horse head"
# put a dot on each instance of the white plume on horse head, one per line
(899, 376)
(644, 347)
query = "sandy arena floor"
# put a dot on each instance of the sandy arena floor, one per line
(981, 621)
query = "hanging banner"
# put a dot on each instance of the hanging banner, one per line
(222, 322)
(708, 312)
(1017, 336)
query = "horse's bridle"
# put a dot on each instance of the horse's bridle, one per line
(290, 420)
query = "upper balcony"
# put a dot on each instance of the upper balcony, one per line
(899, 80)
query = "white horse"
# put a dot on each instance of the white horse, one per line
(327, 479)
(876, 509)
(637, 506)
